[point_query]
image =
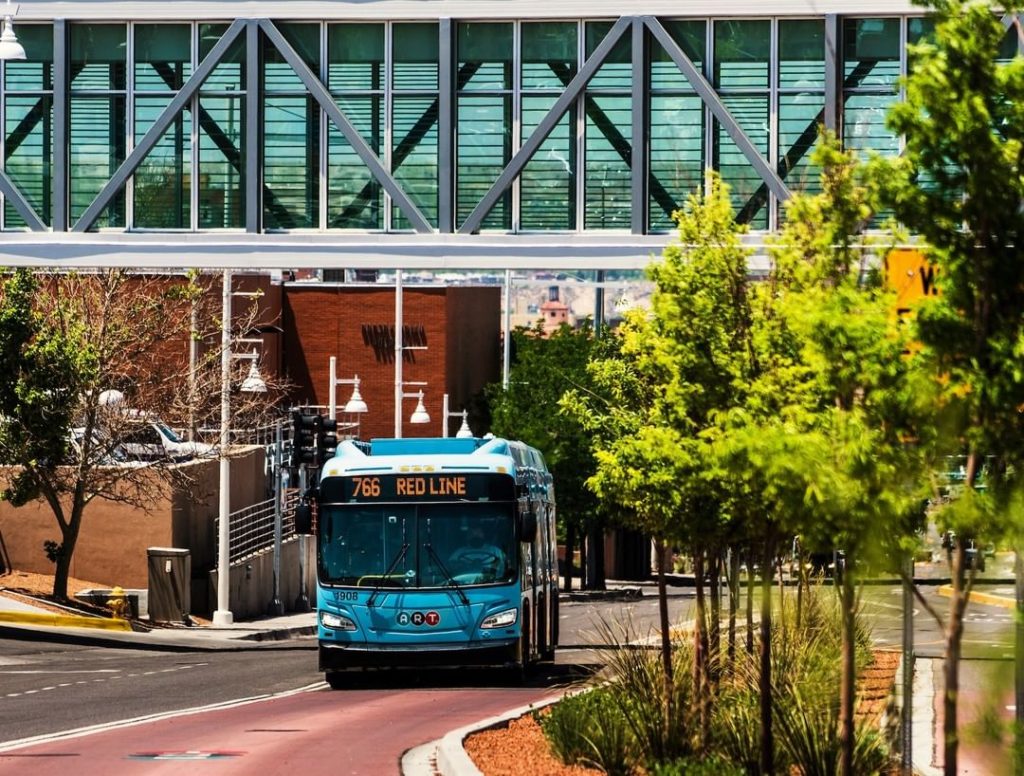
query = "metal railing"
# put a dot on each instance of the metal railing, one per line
(251, 529)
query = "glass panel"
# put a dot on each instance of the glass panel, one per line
(1008, 49)
(919, 29)
(36, 70)
(97, 147)
(355, 199)
(162, 181)
(690, 36)
(677, 156)
(355, 56)
(98, 56)
(742, 54)
(414, 154)
(29, 152)
(163, 56)
(484, 138)
(864, 123)
(549, 54)
(871, 51)
(802, 53)
(414, 55)
(548, 183)
(617, 70)
(278, 74)
(485, 55)
(800, 115)
(291, 187)
(229, 74)
(749, 194)
(607, 179)
(221, 162)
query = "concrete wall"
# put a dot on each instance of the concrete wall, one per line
(251, 589)
(111, 548)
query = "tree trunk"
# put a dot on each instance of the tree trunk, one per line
(782, 594)
(666, 639)
(714, 627)
(583, 561)
(750, 601)
(951, 662)
(570, 553)
(700, 654)
(69, 538)
(800, 578)
(734, 603)
(847, 688)
(767, 740)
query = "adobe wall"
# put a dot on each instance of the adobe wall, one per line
(111, 548)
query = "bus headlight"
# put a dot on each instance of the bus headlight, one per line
(336, 621)
(501, 619)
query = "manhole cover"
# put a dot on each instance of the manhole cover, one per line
(187, 755)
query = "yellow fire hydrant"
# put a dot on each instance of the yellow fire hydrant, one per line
(117, 602)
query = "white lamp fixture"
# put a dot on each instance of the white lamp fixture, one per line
(419, 415)
(253, 382)
(9, 46)
(464, 431)
(355, 403)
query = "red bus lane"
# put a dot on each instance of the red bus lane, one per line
(345, 732)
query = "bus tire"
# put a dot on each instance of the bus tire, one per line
(336, 680)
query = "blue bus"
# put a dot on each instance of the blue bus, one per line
(435, 552)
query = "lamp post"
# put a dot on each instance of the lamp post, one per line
(464, 431)
(253, 383)
(419, 415)
(222, 615)
(355, 404)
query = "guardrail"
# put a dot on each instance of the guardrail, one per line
(251, 529)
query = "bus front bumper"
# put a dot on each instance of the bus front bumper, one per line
(341, 657)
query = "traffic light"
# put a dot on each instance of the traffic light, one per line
(306, 433)
(326, 439)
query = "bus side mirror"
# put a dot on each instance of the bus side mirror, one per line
(303, 518)
(528, 526)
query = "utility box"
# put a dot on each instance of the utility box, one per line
(170, 576)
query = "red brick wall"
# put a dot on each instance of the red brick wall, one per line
(459, 326)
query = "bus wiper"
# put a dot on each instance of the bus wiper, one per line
(437, 559)
(394, 564)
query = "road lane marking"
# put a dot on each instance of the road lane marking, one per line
(105, 726)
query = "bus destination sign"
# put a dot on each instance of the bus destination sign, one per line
(418, 487)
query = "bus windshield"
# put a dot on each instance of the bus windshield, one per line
(417, 545)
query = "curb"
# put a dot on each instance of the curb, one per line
(64, 621)
(981, 598)
(450, 758)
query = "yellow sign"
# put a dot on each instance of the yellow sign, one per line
(910, 276)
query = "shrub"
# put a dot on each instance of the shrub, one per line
(709, 766)
(589, 729)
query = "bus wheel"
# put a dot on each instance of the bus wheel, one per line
(336, 680)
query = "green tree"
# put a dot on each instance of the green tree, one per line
(545, 367)
(959, 185)
(677, 367)
(861, 404)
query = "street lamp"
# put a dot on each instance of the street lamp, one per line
(222, 614)
(420, 414)
(9, 46)
(464, 431)
(355, 404)
(253, 382)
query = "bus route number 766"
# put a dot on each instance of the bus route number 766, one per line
(366, 487)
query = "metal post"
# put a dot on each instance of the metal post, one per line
(302, 601)
(506, 356)
(906, 719)
(598, 302)
(398, 354)
(1018, 571)
(332, 393)
(444, 416)
(277, 605)
(222, 615)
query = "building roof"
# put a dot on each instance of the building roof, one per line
(398, 10)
